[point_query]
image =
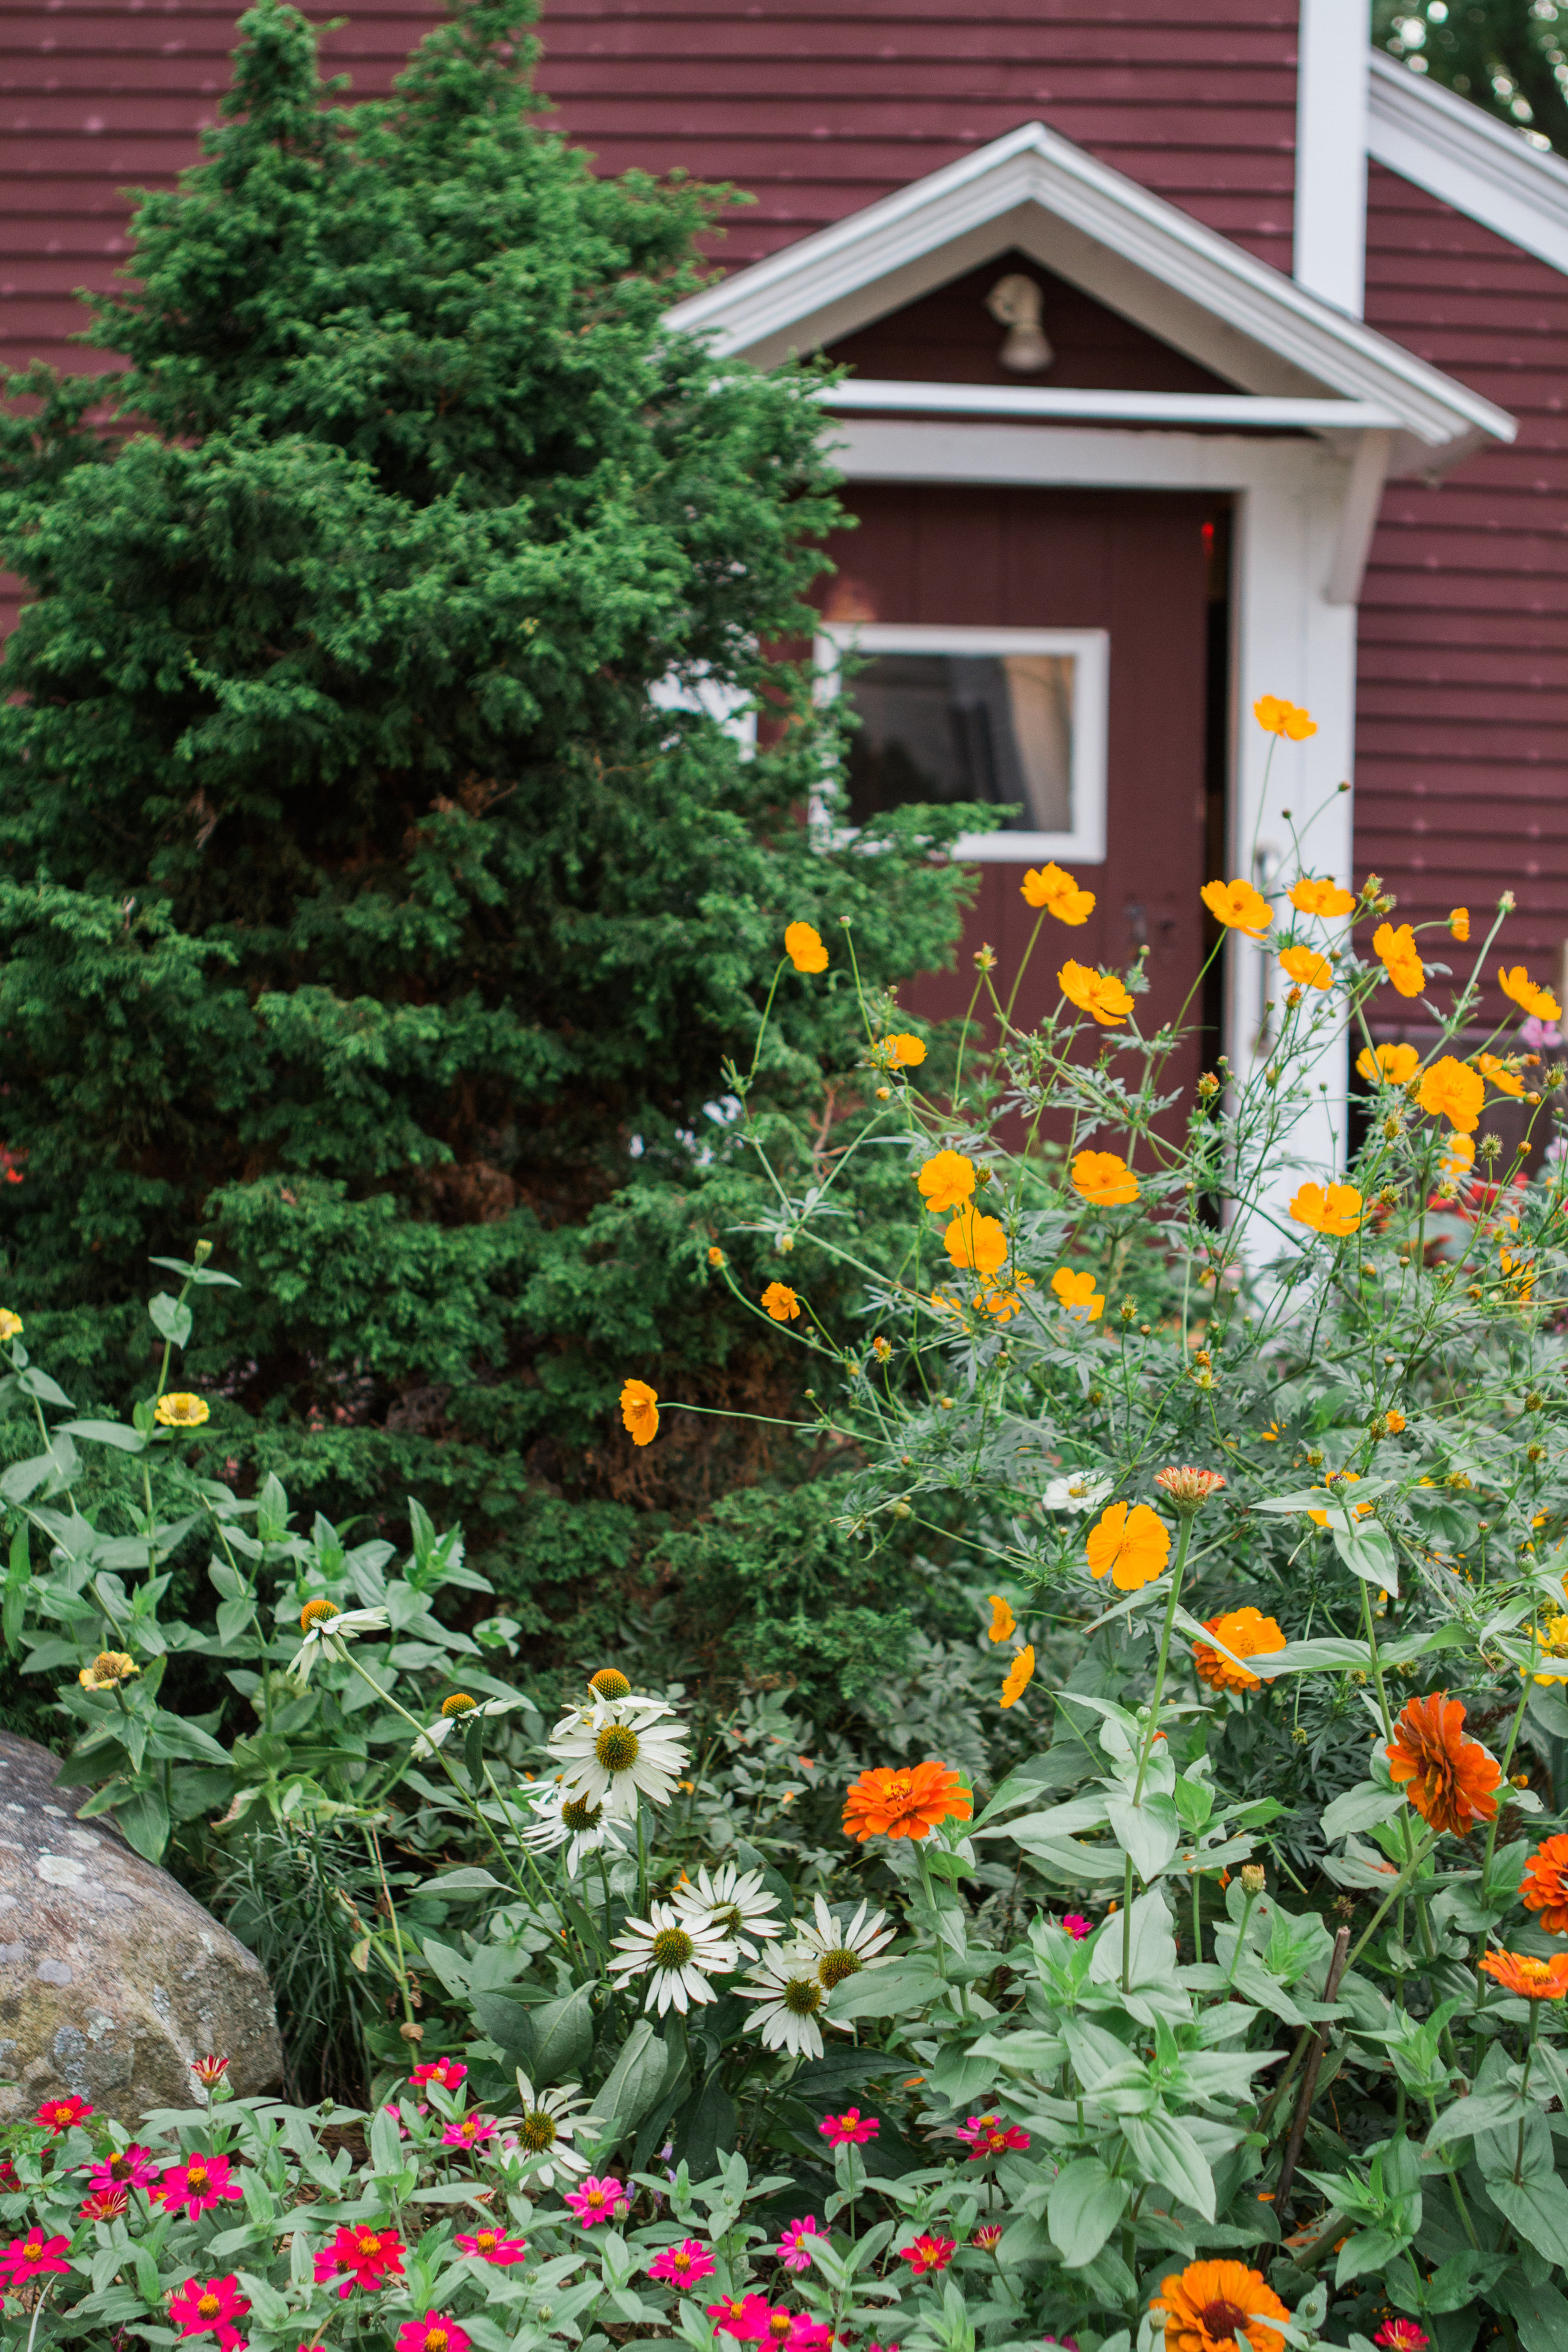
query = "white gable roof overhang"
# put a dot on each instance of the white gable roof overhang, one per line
(1035, 192)
(1458, 152)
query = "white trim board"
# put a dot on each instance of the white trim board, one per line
(1330, 246)
(1036, 191)
(1458, 152)
(1040, 402)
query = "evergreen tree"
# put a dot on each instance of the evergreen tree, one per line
(362, 904)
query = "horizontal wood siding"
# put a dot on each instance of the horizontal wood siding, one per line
(1462, 705)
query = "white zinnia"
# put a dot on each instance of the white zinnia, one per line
(795, 2004)
(676, 1955)
(576, 1823)
(735, 1902)
(616, 1749)
(329, 1637)
(1082, 1491)
(545, 2129)
(838, 1952)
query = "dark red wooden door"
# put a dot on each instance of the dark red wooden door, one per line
(1135, 564)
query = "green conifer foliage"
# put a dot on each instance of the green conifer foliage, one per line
(358, 907)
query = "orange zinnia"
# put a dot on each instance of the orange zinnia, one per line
(908, 1803)
(1451, 1779)
(1522, 1973)
(1244, 1635)
(1097, 992)
(1395, 1065)
(1212, 2305)
(639, 1411)
(1103, 1178)
(1545, 1887)
(1133, 1542)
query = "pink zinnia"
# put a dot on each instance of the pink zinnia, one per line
(1075, 1926)
(1401, 2336)
(433, 2333)
(927, 2254)
(209, 2307)
(807, 2335)
(989, 2136)
(128, 2167)
(751, 2320)
(105, 2205)
(467, 2131)
(598, 2200)
(851, 2126)
(490, 2246)
(682, 2265)
(29, 2257)
(209, 2072)
(794, 2252)
(445, 2070)
(58, 2115)
(200, 2182)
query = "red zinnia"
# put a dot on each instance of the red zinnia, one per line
(927, 2254)
(1402, 2336)
(58, 2115)
(105, 2204)
(201, 2182)
(361, 2257)
(210, 2307)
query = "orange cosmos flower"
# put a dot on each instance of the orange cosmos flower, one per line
(1522, 1974)
(1055, 889)
(1450, 1091)
(1459, 923)
(639, 1411)
(1340, 1478)
(1003, 1620)
(1018, 1675)
(1103, 1178)
(1077, 1294)
(1238, 907)
(1307, 968)
(1391, 1066)
(1545, 1887)
(1278, 717)
(1324, 898)
(976, 1240)
(1459, 1155)
(1451, 1779)
(1393, 1421)
(1335, 1209)
(906, 1053)
(781, 1302)
(1400, 958)
(1133, 1542)
(1247, 1635)
(1100, 993)
(1502, 1076)
(1539, 1002)
(1218, 2306)
(945, 1180)
(805, 949)
(908, 1803)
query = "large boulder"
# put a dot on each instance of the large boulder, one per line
(112, 1979)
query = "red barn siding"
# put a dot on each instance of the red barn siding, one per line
(1462, 705)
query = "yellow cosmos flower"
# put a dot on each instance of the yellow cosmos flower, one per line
(180, 1410)
(1018, 1675)
(1321, 897)
(1340, 1478)
(1003, 1620)
(1537, 1002)
(1077, 1293)
(1458, 1154)
(1391, 1066)
(1053, 888)
(1450, 1091)
(805, 949)
(945, 1180)
(1335, 1209)
(1459, 922)
(781, 1302)
(1100, 993)
(1103, 1178)
(905, 1052)
(1279, 717)
(974, 1240)
(1393, 1421)
(1502, 1076)
(1400, 958)
(10, 1324)
(1131, 1542)
(639, 1411)
(1238, 907)
(1307, 968)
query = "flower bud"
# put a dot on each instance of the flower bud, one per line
(1252, 1878)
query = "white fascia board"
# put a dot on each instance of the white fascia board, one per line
(1033, 166)
(899, 397)
(1460, 153)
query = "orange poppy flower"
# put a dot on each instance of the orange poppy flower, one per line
(1216, 2307)
(1238, 907)
(946, 1179)
(1307, 968)
(1103, 1178)
(639, 1411)
(781, 1302)
(908, 1803)
(1335, 1209)
(1133, 1542)
(1450, 1091)
(1100, 993)
(1247, 1635)
(976, 1240)
(1400, 958)
(1053, 888)
(1530, 1979)
(1018, 1675)
(1394, 1065)
(1324, 898)
(1003, 1620)
(1545, 1887)
(1531, 998)
(1277, 717)
(1451, 1779)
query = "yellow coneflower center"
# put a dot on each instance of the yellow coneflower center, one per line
(610, 1683)
(833, 1967)
(617, 1747)
(316, 1612)
(1221, 2319)
(537, 2131)
(580, 1812)
(209, 2306)
(459, 1704)
(672, 1947)
(731, 1918)
(803, 1996)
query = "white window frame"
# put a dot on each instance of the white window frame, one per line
(1090, 651)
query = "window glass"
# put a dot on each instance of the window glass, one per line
(995, 727)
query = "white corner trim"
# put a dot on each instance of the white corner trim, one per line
(1116, 223)
(1458, 152)
(1329, 256)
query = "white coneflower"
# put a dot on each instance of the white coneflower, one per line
(676, 1955)
(838, 1952)
(454, 1711)
(328, 1630)
(1080, 1492)
(795, 2004)
(736, 1902)
(574, 1822)
(545, 2128)
(617, 1748)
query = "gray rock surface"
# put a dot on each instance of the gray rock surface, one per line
(112, 1979)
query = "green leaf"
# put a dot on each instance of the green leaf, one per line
(1086, 2203)
(1166, 2151)
(170, 1318)
(904, 1988)
(39, 1384)
(1367, 1551)
(144, 1819)
(633, 2083)
(1147, 1832)
(510, 2024)
(105, 1433)
(705, 2128)
(1361, 1808)
(563, 2036)
(1538, 2209)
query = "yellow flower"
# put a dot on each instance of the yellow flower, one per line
(1238, 907)
(1098, 992)
(781, 1302)
(716, 1255)
(1335, 1209)
(1450, 1091)
(1272, 1435)
(1307, 968)
(1392, 1065)
(805, 949)
(1459, 923)
(1400, 958)
(10, 1324)
(1056, 891)
(1393, 1421)
(109, 1668)
(1552, 1638)
(945, 1180)
(1277, 718)
(1018, 1675)
(180, 1410)
(906, 1053)
(1340, 1478)
(1502, 1076)
(1133, 1542)
(1003, 1305)
(1460, 1154)
(639, 1411)
(1323, 897)
(1077, 1294)
(1539, 1002)
(1003, 1620)
(1103, 1178)
(976, 1240)
(881, 1349)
